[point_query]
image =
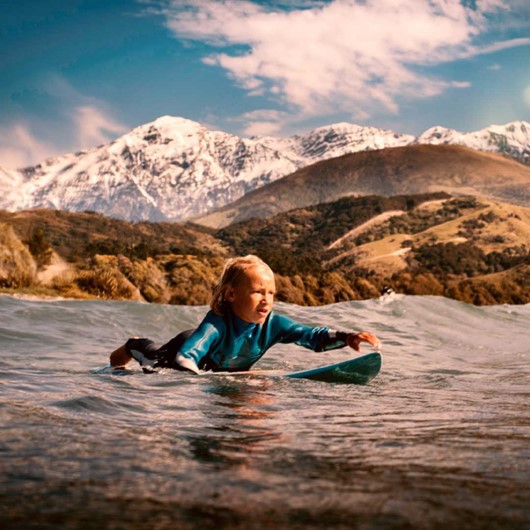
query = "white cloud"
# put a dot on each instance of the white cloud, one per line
(80, 122)
(473, 51)
(20, 146)
(94, 127)
(264, 122)
(344, 55)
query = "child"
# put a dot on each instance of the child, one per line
(238, 330)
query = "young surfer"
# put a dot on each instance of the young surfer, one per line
(239, 328)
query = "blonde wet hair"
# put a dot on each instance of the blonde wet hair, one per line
(233, 271)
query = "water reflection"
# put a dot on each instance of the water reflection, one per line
(241, 429)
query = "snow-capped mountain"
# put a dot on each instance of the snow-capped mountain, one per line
(12, 191)
(512, 139)
(169, 169)
(336, 140)
(174, 169)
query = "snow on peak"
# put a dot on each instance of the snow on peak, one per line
(438, 135)
(12, 190)
(342, 138)
(512, 139)
(174, 168)
(516, 131)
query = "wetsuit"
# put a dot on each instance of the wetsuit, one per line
(227, 343)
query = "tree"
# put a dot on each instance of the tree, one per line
(40, 248)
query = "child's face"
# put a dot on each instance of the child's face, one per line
(252, 297)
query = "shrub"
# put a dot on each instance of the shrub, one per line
(451, 258)
(17, 266)
(105, 280)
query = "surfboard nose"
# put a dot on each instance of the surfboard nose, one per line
(358, 371)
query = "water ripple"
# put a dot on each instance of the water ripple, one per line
(438, 440)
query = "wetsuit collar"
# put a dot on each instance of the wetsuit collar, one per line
(240, 326)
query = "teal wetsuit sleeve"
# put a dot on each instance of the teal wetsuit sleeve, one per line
(204, 339)
(318, 339)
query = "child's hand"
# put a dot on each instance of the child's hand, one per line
(354, 340)
(186, 364)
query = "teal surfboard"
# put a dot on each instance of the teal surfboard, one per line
(358, 371)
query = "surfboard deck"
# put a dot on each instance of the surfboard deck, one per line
(357, 371)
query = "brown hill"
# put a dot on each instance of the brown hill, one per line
(51, 252)
(400, 170)
(78, 236)
(470, 249)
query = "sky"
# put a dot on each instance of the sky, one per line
(75, 74)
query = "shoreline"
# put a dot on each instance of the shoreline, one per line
(384, 298)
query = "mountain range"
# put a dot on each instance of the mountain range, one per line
(176, 169)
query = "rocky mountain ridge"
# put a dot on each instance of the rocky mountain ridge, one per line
(510, 139)
(175, 169)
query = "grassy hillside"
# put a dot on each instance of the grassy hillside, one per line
(77, 236)
(410, 169)
(298, 240)
(88, 254)
(467, 248)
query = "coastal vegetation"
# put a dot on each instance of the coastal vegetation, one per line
(467, 248)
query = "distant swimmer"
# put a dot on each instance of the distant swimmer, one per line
(386, 290)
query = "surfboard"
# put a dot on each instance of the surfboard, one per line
(357, 371)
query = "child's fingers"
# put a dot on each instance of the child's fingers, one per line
(354, 340)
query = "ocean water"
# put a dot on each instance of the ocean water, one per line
(440, 439)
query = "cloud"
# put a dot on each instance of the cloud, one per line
(89, 126)
(473, 51)
(78, 122)
(317, 58)
(20, 148)
(94, 127)
(263, 122)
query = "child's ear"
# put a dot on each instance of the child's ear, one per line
(229, 294)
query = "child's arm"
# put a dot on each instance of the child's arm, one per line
(319, 339)
(339, 339)
(200, 343)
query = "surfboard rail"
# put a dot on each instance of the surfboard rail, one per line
(359, 370)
